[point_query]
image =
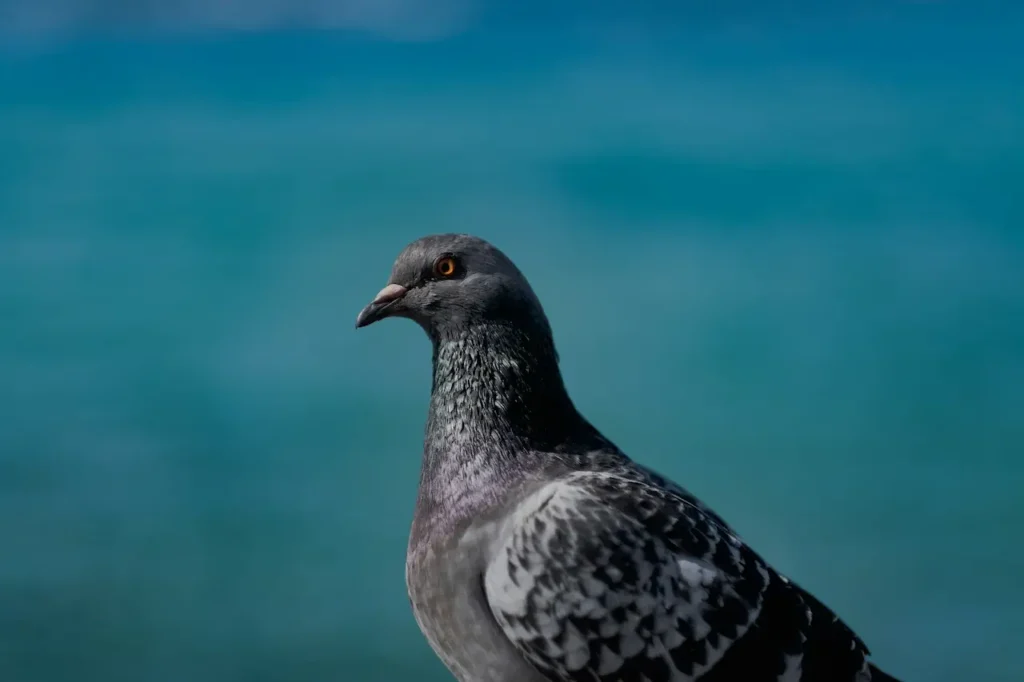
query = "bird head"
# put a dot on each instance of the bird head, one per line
(448, 283)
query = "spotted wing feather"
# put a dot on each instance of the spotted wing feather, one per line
(614, 578)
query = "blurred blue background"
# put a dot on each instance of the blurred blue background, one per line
(780, 244)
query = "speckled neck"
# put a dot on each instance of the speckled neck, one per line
(499, 414)
(499, 382)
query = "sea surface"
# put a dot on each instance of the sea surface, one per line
(784, 263)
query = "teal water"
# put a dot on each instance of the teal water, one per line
(784, 266)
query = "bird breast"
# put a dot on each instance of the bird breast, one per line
(444, 579)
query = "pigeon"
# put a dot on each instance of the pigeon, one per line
(539, 551)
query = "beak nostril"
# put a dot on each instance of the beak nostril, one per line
(383, 300)
(390, 293)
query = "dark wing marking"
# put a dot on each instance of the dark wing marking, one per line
(606, 577)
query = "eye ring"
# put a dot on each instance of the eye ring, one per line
(445, 266)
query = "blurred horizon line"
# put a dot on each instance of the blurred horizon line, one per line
(55, 22)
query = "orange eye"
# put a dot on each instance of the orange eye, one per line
(445, 266)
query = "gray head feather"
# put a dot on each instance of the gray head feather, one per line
(482, 287)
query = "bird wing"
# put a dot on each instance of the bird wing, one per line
(610, 577)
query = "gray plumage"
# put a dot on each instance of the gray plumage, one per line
(539, 552)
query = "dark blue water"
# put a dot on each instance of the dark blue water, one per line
(783, 260)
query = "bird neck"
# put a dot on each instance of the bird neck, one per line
(495, 385)
(499, 412)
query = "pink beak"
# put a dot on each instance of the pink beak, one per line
(379, 305)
